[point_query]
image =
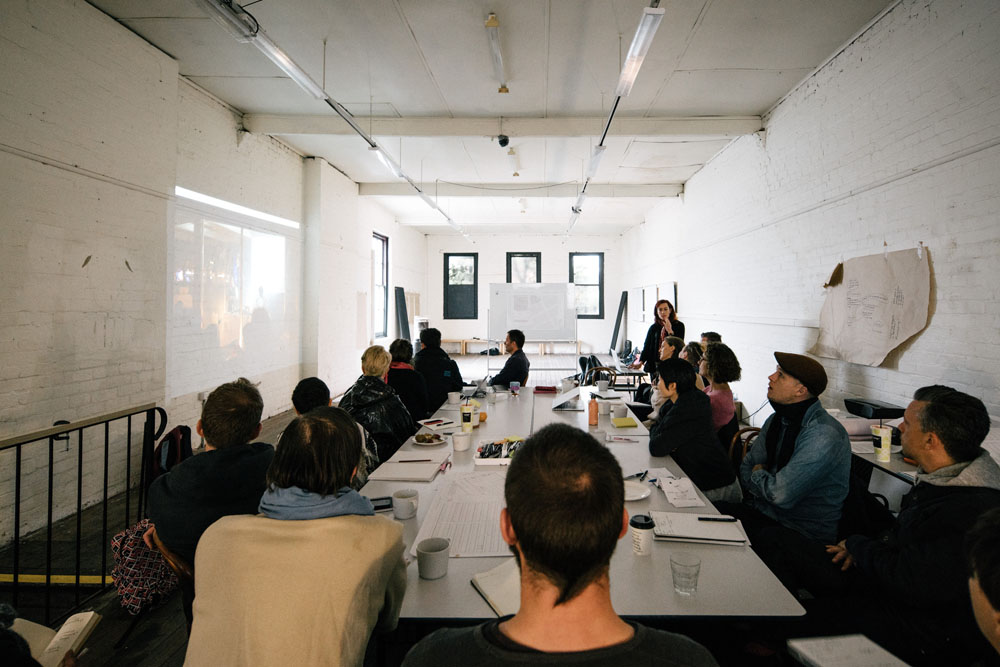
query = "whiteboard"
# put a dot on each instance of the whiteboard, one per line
(543, 311)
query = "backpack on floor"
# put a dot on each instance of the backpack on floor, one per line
(141, 575)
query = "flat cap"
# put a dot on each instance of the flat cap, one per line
(805, 369)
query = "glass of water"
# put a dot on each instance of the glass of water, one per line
(684, 568)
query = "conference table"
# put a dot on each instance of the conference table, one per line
(733, 580)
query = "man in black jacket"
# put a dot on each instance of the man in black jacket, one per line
(684, 430)
(439, 370)
(907, 587)
(228, 478)
(516, 368)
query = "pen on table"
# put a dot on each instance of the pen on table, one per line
(720, 519)
(414, 461)
(638, 474)
(618, 438)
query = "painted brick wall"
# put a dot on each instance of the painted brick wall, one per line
(895, 141)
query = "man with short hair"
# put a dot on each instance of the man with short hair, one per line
(310, 393)
(516, 368)
(982, 558)
(561, 477)
(797, 472)
(227, 478)
(439, 370)
(710, 337)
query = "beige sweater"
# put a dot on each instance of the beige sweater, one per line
(270, 592)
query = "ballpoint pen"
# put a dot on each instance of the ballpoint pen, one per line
(640, 475)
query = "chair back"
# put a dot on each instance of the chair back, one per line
(600, 373)
(185, 576)
(740, 444)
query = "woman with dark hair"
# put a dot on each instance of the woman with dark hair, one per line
(665, 324)
(693, 353)
(408, 383)
(721, 367)
(252, 573)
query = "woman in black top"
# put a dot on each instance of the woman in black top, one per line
(666, 324)
(408, 383)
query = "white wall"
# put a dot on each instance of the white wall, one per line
(493, 249)
(896, 140)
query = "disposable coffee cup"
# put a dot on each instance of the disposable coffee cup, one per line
(602, 385)
(432, 557)
(642, 534)
(461, 441)
(454, 397)
(882, 440)
(684, 569)
(603, 408)
(404, 503)
(620, 411)
(466, 412)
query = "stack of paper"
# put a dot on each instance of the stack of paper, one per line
(684, 527)
(411, 466)
(501, 587)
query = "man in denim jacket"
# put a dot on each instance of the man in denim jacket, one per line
(796, 474)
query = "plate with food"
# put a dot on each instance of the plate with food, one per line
(497, 452)
(428, 439)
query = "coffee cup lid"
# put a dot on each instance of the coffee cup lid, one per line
(641, 521)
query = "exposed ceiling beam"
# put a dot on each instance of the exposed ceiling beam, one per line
(709, 127)
(528, 190)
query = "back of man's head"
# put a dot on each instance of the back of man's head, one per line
(565, 499)
(310, 393)
(711, 337)
(677, 371)
(516, 337)
(960, 421)
(430, 338)
(231, 414)
(318, 452)
(982, 558)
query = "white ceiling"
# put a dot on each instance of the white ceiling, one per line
(417, 75)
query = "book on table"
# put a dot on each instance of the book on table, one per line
(408, 465)
(501, 587)
(841, 651)
(49, 646)
(689, 527)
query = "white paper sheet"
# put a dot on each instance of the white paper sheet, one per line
(467, 512)
(680, 492)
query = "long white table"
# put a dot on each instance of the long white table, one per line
(733, 581)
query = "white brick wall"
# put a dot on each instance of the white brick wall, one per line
(896, 140)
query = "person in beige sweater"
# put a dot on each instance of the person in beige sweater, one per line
(307, 580)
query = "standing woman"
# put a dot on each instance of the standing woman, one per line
(665, 324)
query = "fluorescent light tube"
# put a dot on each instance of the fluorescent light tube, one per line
(572, 221)
(387, 161)
(578, 206)
(230, 16)
(637, 51)
(493, 33)
(512, 159)
(288, 66)
(595, 161)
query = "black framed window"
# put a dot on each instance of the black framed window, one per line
(461, 286)
(524, 267)
(586, 272)
(380, 285)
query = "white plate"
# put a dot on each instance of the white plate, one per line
(636, 490)
(443, 441)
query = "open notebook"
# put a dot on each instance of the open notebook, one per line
(501, 587)
(687, 527)
(411, 466)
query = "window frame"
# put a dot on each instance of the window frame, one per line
(475, 286)
(376, 333)
(538, 264)
(600, 283)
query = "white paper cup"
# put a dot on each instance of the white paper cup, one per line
(641, 526)
(432, 557)
(620, 411)
(461, 441)
(454, 397)
(684, 568)
(404, 503)
(602, 385)
(603, 408)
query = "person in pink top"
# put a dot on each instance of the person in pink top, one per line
(721, 367)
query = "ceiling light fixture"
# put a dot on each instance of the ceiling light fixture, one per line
(493, 33)
(512, 158)
(595, 161)
(387, 161)
(644, 34)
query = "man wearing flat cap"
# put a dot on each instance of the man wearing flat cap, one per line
(796, 474)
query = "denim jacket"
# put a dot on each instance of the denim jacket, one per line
(808, 494)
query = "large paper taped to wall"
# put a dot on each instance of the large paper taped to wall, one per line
(872, 305)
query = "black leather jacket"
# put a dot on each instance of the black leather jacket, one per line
(376, 406)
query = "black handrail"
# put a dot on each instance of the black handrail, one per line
(60, 432)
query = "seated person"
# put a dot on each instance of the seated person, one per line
(907, 587)
(227, 478)
(408, 383)
(982, 558)
(796, 474)
(721, 367)
(516, 368)
(670, 348)
(561, 477)
(313, 393)
(693, 353)
(307, 580)
(709, 337)
(439, 370)
(376, 406)
(684, 431)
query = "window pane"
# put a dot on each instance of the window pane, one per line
(523, 269)
(461, 270)
(588, 300)
(586, 269)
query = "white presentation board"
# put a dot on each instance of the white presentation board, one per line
(543, 311)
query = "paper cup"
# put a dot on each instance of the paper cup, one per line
(432, 557)
(404, 503)
(620, 411)
(602, 386)
(603, 408)
(641, 526)
(461, 441)
(454, 397)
